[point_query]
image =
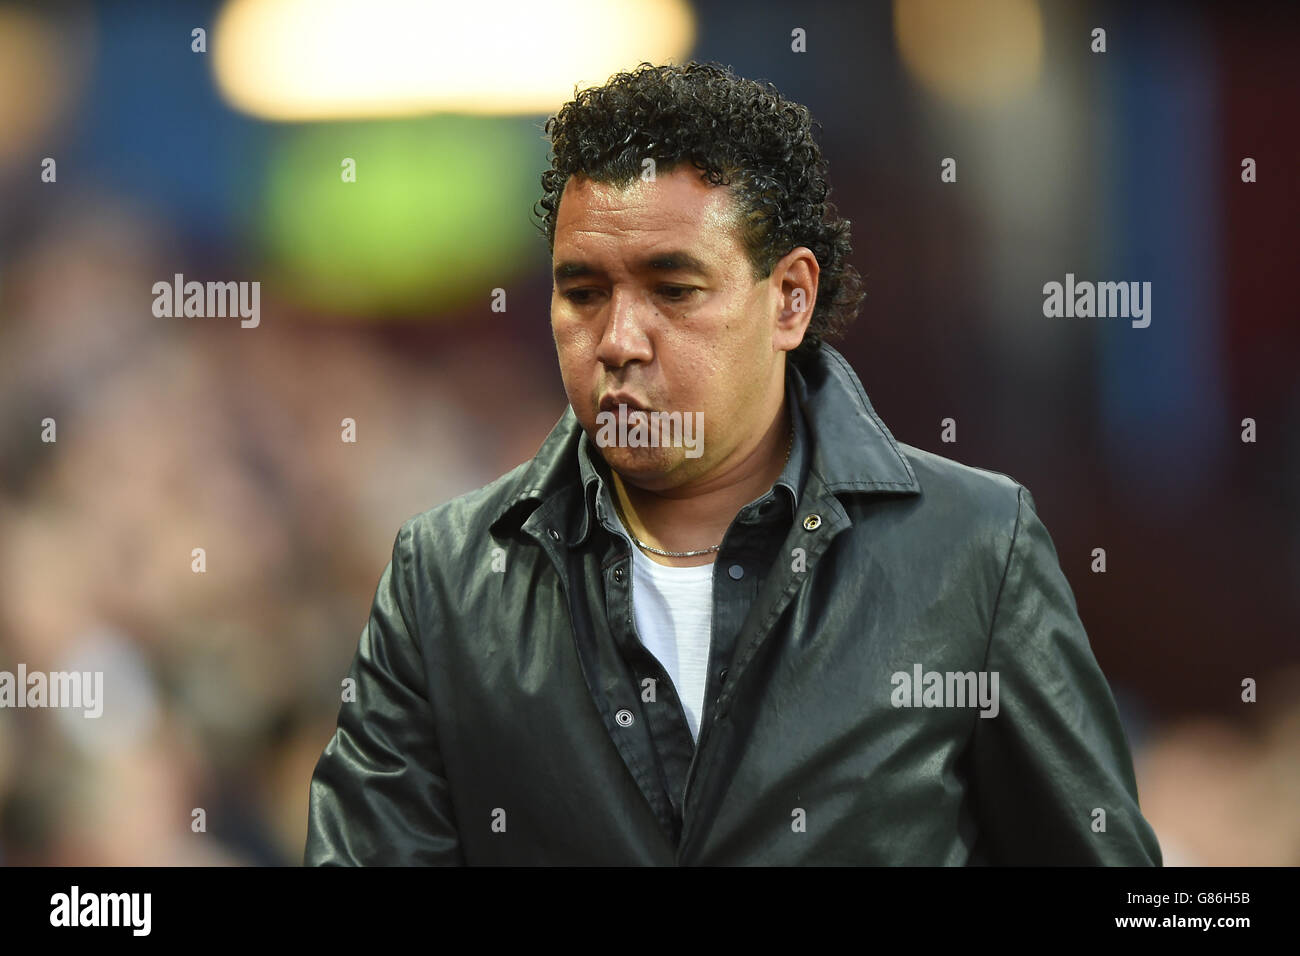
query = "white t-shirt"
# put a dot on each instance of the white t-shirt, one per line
(673, 608)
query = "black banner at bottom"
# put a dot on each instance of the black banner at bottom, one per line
(238, 905)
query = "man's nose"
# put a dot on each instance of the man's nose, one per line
(625, 338)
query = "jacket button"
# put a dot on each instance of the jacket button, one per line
(618, 575)
(555, 535)
(722, 676)
(736, 572)
(812, 522)
(624, 718)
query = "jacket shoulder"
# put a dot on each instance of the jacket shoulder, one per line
(952, 485)
(447, 528)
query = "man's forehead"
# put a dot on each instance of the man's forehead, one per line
(678, 200)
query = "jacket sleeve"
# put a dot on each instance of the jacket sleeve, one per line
(1055, 753)
(378, 795)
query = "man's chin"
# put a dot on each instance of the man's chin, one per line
(645, 467)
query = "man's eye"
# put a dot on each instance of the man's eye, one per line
(676, 293)
(578, 296)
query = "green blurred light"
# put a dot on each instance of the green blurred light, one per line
(439, 215)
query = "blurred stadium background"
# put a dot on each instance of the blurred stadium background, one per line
(225, 164)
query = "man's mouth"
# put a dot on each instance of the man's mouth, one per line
(612, 400)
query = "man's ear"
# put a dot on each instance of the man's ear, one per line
(794, 278)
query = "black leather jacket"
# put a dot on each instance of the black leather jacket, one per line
(504, 712)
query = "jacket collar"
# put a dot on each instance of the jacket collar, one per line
(852, 450)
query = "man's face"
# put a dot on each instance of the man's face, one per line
(655, 305)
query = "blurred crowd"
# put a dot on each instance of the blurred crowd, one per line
(222, 686)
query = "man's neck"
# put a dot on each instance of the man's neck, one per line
(699, 518)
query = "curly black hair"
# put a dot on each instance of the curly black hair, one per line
(738, 132)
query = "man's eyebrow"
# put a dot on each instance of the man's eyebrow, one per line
(572, 270)
(678, 260)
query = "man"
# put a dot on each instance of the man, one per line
(784, 639)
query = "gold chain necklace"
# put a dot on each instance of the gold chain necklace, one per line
(683, 554)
